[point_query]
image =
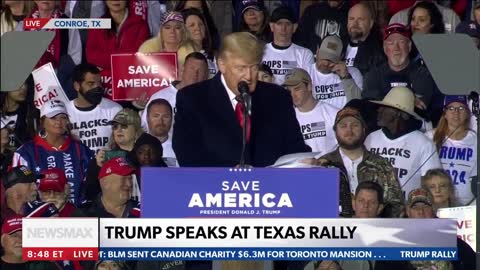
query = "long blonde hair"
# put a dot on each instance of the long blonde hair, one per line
(442, 132)
(160, 38)
(186, 48)
(441, 173)
(27, 10)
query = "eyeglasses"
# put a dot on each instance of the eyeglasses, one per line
(456, 109)
(117, 125)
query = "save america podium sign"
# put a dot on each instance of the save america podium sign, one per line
(253, 193)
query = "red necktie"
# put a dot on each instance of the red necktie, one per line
(239, 112)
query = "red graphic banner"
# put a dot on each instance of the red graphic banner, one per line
(135, 75)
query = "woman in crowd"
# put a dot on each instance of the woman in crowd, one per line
(457, 146)
(171, 35)
(425, 18)
(6, 153)
(198, 32)
(128, 32)
(18, 111)
(55, 147)
(202, 5)
(255, 20)
(127, 139)
(15, 11)
(441, 186)
(126, 129)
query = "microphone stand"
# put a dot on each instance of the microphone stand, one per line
(246, 108)
(476, 112)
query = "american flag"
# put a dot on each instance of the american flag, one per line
(289, 64)
(318, 126)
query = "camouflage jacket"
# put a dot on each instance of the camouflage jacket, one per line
(432, 265)
(374, 168)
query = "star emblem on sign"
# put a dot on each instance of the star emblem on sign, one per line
(382, 234)
(37, 169)
(452, 164)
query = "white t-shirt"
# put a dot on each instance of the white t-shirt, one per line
(281, 61)
(170, 94)
(459, 159)
(350, 55)
(329, 87)
(412, 155)
(168, 154)
(317, 127)
(91, 126)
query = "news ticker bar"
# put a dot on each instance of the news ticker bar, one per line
(67, 23)
(225, 239)
(186, 254)
(302, 254)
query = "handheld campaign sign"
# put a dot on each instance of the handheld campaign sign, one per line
(47, 86)
(212, 192)
(19, 56)
(134, 75)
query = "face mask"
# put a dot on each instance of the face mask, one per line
(94, 96)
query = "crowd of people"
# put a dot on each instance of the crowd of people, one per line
(340, 78)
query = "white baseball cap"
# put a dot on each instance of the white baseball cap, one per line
(53, 108)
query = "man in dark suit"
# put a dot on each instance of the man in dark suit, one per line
(207, 132)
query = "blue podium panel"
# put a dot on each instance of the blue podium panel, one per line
(246, 193)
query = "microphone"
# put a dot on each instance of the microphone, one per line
(243, 89)
(245, 94)
(473, 96)
(475, 104)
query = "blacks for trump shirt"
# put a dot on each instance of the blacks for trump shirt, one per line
(91, 126)
(411, 155)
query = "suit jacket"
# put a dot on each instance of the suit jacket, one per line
(207, 133)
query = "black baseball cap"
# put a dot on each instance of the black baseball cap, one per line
(283, 12)
(255, 4)
(17, 175)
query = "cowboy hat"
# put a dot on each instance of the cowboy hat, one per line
(400, 98)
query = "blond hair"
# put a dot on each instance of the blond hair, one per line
(160, 38)
(186, 48)
(244, 45)
(242, 265)
(441, 173)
